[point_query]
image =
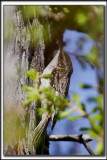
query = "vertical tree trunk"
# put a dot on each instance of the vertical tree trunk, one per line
(27, 55)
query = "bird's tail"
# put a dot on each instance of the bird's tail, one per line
(40, 129)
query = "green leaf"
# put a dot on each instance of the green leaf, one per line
(27, 88)
(56, 8)
(85, 86)
(66, 10)
(96, 127)
(81, 18)
(83, 107)
(99, 147)
(98, 117)
(84, 129)
(28, 101)
(74, 118)
(95, 109)
(33, 95)
(59, 100)
(46, 76)
(63, 114)
(92, 56)
(93, 134)
(45, 89)
(98, 99)
(92, 99)
(50, 95)
(32, 74)
(41, 111)
(77, 99)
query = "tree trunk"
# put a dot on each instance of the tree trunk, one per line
(26, 54)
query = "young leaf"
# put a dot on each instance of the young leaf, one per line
(50, 95)
(96, 127)
(99, 147)
(45, 89)
(33, 95)
(41, 111)
(66, 10)
(63, 114)
(93, 134)
(92, 56)
(46, 76)
(32, 74)
(83, 107)
(77, 99)
(60, 101)
(27, 88)
(98, 117)
(84, 129)
(74, 118)
(91, 99)
(28, 101)
(85, 86)
(95, 109)
(99, 100)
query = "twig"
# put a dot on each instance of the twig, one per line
(77, 109)
(88, 148)
(81, 138)
(78, 138)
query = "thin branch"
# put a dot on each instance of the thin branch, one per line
(77, 138)
(88, 148)
(77, 109)
(81, 138)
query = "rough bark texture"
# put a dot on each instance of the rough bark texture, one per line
(30, 51)
(26, 56)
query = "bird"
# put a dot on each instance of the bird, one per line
(61, 68)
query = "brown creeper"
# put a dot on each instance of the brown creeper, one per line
(61, 68)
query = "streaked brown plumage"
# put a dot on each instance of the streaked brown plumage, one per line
(61, 73)
(61, 68)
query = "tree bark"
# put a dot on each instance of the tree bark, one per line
(26, 56)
